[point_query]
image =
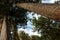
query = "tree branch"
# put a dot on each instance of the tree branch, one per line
(48, 10)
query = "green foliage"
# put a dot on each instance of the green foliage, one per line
(34, 37)
(24, 36)
(48, 28)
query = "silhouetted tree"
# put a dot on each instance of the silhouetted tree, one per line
(13, 16)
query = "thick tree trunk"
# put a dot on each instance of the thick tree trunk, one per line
(3, 35)
(48, 10)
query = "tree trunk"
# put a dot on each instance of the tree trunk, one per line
(3, 35)
(48, 10)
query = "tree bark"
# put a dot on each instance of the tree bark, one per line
(3, 35)
(48, 10)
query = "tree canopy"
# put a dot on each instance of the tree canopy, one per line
(49, 29)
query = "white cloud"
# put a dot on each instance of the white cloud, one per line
(36, 16)
(29, 31)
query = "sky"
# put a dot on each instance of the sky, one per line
(29, 28)
(49, 1)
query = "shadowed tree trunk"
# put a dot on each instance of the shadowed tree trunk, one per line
(3, 35)
(48, 10)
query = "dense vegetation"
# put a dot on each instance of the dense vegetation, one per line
(49, 29)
